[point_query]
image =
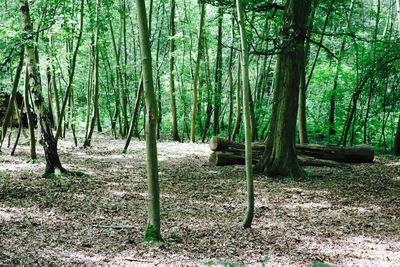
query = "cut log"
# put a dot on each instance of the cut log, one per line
(232, 157)
(221, 144)
(355, 154)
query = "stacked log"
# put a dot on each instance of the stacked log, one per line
(227, 152)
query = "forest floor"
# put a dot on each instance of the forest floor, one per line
(346, 216)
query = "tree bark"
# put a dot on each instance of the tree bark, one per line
(196, 75)
(218, 74)
(396, 147)
(236, 129)
(49, 143)
(13, 94)
(172, 32)
(247, 118)
(280, 158)
(88, 137)
(153, 228)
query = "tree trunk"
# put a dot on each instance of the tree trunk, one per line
(280, 158)
(218, 74)
(49, 143)
(68, 91)
(396, 147)
(153, 228)
(196, 75)
(209, 88)
(20, 126)
(88, 137)
(236, 129)
(11, 101)
(175, 133)
(247, 120)
(29, 115)
(230, 79)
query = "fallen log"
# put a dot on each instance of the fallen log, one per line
(354, 154)
(232, 157)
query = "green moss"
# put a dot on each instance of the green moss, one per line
(320, 264)
(151, 235)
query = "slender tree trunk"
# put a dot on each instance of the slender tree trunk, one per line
(209, 88)
(49, 143)
(11, 101)
(88, 138)
(196, 75)
(218, 74)
(175, 133)
(135, 115)
(29, 115)
(20, 126)
(247, 123)
(236, 129)
(280, 158)
(396, 147)
(332, 109)
(303, 136)
(71, 75)
(230, 80)
(153, 228)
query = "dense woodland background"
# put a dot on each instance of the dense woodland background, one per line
(351, 76)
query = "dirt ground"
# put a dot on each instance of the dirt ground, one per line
(346, 216)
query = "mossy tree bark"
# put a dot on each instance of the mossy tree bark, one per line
(280, 158)
(153, 229)
(247, 120)
(48, 140)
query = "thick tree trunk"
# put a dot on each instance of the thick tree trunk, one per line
(49, 143)
(280, 156)
(153, 228)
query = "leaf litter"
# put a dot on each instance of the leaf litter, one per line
(341, 216)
